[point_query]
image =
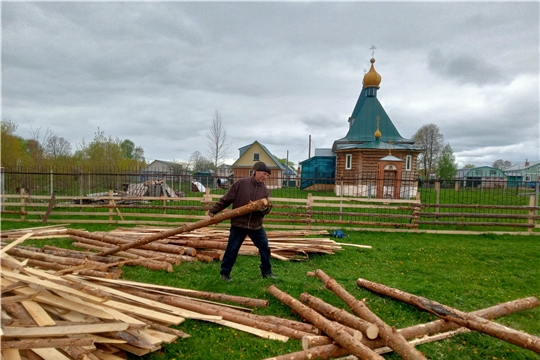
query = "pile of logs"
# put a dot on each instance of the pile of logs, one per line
(205, 244)
(365, 336)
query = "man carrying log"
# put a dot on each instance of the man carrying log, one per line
(239, 194)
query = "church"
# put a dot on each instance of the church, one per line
(373, 159)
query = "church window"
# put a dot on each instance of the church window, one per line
(408, 163)
(348, 162)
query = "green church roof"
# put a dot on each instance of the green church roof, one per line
(367, 116)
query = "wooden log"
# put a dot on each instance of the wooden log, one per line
(340, 315)
(59, 267)
(225, 313)
(473, 322)
(62, 330)
(252, 206)
(120, 241)
(392, 338)
(327, 351)
(333, 330)
(18, 311)
(239, 300)
(437, 326)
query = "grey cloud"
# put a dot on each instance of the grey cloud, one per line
(465, 69)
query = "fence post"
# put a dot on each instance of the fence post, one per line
(531, 221)
(51, 183)
(111, 212)
(437, 188)
(309, 204)
(536, 194)
(22, 192)
(2, 189)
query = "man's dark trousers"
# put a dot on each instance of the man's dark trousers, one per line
(236, 238)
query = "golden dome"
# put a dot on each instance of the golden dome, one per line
(372, 78)
(377, 134)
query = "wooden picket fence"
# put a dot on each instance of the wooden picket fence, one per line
(313, 213)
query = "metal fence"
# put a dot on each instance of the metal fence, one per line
(456, 202)
(78, 182)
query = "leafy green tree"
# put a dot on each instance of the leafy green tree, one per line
(105, 151)
(13, 147)
(284, 161)
(430, 139)
(447, 163)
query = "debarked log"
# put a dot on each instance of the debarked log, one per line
(392, 338)
(335, 331)
(461, 318)
(340, 315)
(252, 206)
(121, 241)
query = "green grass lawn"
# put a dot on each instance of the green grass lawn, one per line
(467, 272)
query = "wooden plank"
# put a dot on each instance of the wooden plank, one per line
(51, 285)
(169, 308)
(114, 313)
(84, 307)
(261, 333)
(164, 337)
(11, 354)
(37, 313)
(25, 332)
(51, 354)
(5, 249)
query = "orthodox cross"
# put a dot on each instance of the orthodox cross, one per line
(372, 50)
(378, 122)
(390, 147)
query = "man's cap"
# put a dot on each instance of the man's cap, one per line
(260, 166)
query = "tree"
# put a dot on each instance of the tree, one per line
(430, 139)
(106, 151)
(57, 146)
(502, 164)
(199, 163)
(218, 141)
(447, 163)
(284, 161)
(12, 146)
(130, 151)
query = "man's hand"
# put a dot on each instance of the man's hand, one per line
(265, 209)
(209, 214)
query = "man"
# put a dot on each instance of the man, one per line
(239, 194)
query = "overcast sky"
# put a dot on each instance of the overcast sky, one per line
(277, 72)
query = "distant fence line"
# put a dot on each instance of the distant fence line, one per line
(101, 196)
(314, 212)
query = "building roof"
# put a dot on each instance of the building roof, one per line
(245, 148)
(369, 116)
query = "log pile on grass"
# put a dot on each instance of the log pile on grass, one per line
(337, 326)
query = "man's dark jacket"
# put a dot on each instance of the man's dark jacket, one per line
(241, 193)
